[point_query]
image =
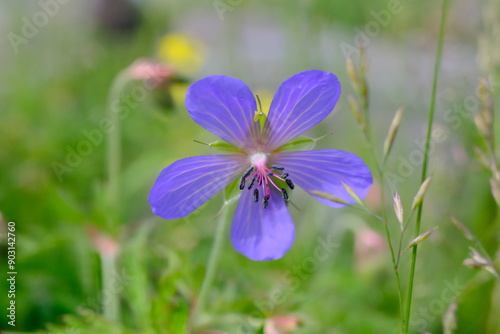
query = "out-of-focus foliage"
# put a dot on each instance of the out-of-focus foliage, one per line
(55, 85)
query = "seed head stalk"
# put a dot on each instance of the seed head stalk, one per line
(432, 107)
(360, 85)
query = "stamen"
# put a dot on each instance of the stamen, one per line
(285, 194)
(274, 184)
(256, 195)
(279, 177)
(248, 172)
(252, 182)
(265, 203)
(264, 178)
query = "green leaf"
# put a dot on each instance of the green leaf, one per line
(222, 146)
(179, 316)
(301, 143)
(232, 192)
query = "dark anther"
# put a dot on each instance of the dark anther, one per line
(251, 183)
(290, 183)
(277, 167)
(242, 183)
(265, 203)
(248, 172)
(284, 175)
(269, 173)
(284, 193)
(256, 195)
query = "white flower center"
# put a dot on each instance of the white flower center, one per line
(264, 178)
(258, 160)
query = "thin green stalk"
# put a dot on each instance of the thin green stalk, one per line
(110, 298)
(369, 140)
(113, 154)
(405, 227)
(111, 306)
(389, 241)
(367, 131)
(213, 261)
(432, 107)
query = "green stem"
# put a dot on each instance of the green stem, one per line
(380, 169)
(111, 304)
(389, 241)
(113, 154)
(213, 261)
(110, 295)
(367, 131)
(432, 107)
(405, 227)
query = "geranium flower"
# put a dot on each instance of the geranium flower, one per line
(262, 227)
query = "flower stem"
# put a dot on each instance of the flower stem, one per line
(111, 304)
(110, 298)
(213, 261)
(113, 154)
(389, 241)
(432, 107)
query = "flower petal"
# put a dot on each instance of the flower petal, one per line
(325, 170)
(224, 106)
(188, 183)
(262, 234)
(301, 102)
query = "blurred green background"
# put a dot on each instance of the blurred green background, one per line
(59, 60)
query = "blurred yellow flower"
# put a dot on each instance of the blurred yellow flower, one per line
(178, 92)
(185, 54)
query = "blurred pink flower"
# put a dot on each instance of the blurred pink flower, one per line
(154, 72)
(373, 197)
(105, 245)
(281, 324)
(368, 245)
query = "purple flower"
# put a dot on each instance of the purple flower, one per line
(262, 226)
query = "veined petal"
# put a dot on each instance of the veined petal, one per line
(224, 106)
(262, 234)
(188, 183)
(300, 103)
(325, 170)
